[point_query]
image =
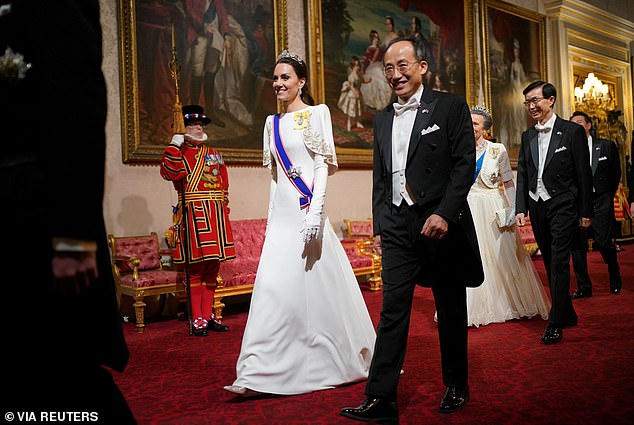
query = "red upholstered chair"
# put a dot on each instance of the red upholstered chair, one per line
(363, 253)
(136, 264)
(237, 277)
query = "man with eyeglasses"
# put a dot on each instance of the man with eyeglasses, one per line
(424, 162)
(554, 187)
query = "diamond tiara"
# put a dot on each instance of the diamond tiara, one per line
(292, 56)
(481, 109)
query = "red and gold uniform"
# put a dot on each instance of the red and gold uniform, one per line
(204, 174)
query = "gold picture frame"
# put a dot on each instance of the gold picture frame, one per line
(514, 54)
(452, 40)
(147, 90)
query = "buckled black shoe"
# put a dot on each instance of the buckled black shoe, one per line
(581, 294)
(552, 335)
(373, 409)
(214, 326)
(455, 398)
(201, 332)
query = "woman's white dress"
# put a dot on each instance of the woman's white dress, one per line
(376, 93)
(308, 326)
(349, 100)
(512, 287)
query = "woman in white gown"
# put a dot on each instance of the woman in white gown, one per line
(512, 288)
(308, 327)
(376, 93)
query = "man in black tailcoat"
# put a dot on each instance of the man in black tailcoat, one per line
(424, 163)
(606, 174)
(554, 186)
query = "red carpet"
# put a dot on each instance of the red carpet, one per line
(587, 379)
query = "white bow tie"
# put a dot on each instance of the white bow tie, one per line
(411, 104)
(542, 128)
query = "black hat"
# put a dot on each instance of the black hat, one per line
(194, 113)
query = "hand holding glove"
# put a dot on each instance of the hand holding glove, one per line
(178, 140)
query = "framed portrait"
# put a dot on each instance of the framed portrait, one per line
(346, 42)
(514, 55)
(222, 56)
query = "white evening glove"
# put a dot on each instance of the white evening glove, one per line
(510, 195)
(178, 140)
(313, 223)
(272, 189)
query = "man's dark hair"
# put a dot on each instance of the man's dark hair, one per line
(422, 50)
(548, 89)
(584, 115)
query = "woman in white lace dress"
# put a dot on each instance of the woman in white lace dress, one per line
(308, 327)
(512, 288)
(376, 93)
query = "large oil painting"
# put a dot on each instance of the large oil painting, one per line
(347, 39)
(225, 52)
(515, 56)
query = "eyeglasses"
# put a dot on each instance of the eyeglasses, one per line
(532, 102)
(402, 67)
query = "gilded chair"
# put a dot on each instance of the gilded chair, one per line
(363, 253)
(138, 272)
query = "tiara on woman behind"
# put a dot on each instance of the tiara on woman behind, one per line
(292, 56)
(481, 109)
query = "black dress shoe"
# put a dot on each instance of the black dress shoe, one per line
(455, 398)
(581, 294)
(373, 409)
(552, 335)
(200, 332)
(212, 325)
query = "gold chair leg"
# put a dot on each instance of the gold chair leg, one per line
(139, 312)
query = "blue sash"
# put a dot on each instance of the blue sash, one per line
(479, 166)
(299, 183)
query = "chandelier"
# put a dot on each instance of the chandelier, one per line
(594, 97)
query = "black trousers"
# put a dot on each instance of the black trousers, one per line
(602, 232)
(407, 257)
(555, 224)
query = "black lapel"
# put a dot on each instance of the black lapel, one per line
(385, 138)
(533, 143)
(555, 138)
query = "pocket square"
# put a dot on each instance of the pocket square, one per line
(603, 158)
(561, 149)
(429, 129)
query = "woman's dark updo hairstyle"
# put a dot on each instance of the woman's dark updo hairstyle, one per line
(299, 66)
